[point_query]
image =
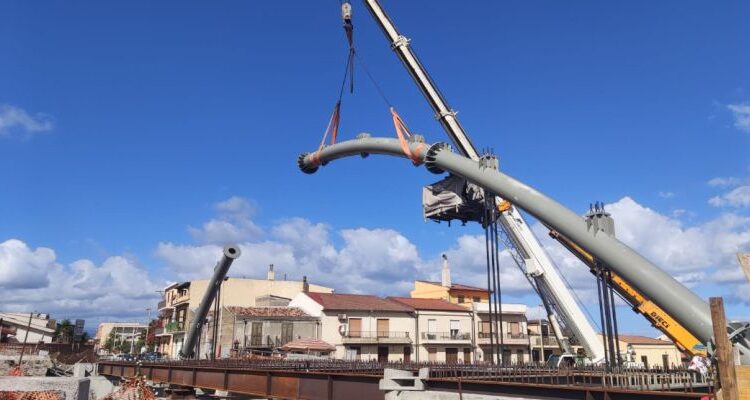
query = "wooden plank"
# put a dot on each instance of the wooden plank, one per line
(743, 381)
(724, 354)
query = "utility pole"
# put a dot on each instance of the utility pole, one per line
(148, 325)
(25, 337)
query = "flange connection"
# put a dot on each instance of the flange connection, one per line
(307, 168)
(429, 158)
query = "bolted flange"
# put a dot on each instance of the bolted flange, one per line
(303, 166)
(429, 158)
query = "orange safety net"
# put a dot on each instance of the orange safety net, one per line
(39, 395)
(132, 389)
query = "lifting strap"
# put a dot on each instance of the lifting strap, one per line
(403, 133)
(332, 128)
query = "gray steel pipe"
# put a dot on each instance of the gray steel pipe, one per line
(231, 252)
(681, 303)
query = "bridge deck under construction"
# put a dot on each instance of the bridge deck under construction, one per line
(360, 380)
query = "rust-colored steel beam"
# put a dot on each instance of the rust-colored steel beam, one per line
(360, 380)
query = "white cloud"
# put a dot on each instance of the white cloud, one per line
(233, 225)
(666, 195)
(16, 120)
(724, 182)
(737, 197)
(741, 113)
(33, 280)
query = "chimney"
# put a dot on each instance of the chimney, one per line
(305, 285)
(271, 274)
(446, 277)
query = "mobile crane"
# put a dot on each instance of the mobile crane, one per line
(525, 249)
(648, 284)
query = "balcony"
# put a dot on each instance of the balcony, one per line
(508, 338)
(175, 327)
(181, 299)
(549, 341)
(372, 337)
(163, 305)
(455, 336)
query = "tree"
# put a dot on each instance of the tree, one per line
(64, 331)
(109, 344)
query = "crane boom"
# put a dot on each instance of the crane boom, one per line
(652, 312)
(538, 267)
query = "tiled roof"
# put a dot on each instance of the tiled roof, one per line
(308, 344)
(458, 286)
(270, 312)
(429, 304)
(637, 339)
(366, 302)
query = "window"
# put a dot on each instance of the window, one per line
(644, 360)
(467, 355)
(484, 329)
(476, 299)
(383, 328)
(407, 354)
(256, 334)
(515, 329)
(519, 357)
(460, 299)
(431, 329)
(355, 327)
(455, 324)
(353, 353)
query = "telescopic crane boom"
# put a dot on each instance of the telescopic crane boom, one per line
(523, 245)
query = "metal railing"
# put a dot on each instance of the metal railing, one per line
(548, 341)
(446, 335)
(162, 304)
(175, 326)
(376, 334)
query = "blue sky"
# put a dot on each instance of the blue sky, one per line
(128, 123)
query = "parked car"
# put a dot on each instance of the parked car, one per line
(150, 356)
(127, 357)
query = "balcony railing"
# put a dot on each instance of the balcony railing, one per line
(175, 326)
(446, 335)
(181, 299)
(548, 341)
(162, 304)
(377, 337)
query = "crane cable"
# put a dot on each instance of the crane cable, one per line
(335, 120)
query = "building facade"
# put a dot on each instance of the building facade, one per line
(123, 334)
(362, 327)
(181, 299)
(444, 331)
(32, 327)
(514, 346)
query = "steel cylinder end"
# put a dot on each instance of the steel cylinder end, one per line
(429, 158)
(304, 166)
(232, 251)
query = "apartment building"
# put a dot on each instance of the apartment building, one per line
(646, 352)
(126, 333)
(33, 327)
(544, 343)
(262, 329)
(362, 327)
(444, 330)
(514, 332)
(181, 299)
(455, 293)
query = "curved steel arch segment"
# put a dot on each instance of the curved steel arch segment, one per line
(684, 305)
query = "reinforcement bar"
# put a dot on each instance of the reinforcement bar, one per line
(685, 306)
